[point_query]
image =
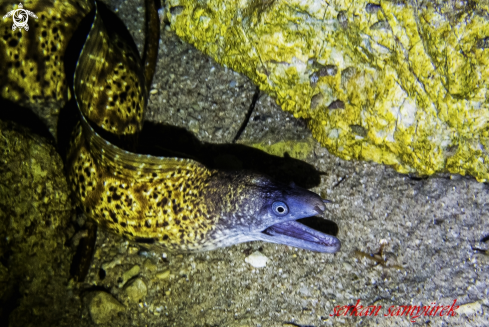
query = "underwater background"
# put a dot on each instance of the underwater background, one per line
(406, 239)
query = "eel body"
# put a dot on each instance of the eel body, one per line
(175, 203)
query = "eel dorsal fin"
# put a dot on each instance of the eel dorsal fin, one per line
(125, 164)
(109, 83)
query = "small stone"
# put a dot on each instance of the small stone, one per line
(111, 264)
(103, 307)
(470, 308)
(347, 266)
(193, 125)
(123, 247)
(305, 291)
(257, 259)
(316, 100)
(337, 104)
(129, 274)
(133, 250)
(148, 264)
(136, 290)
(165, 274)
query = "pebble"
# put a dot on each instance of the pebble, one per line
(136, 290)
(470, 308)
(130, 274)
(257, 259)
(133, 250)
(347, 266)
(123, 247)
(149, 265)
(165, 274)
(193, 125)
(116, 261)
(103, 307)
(305, 291)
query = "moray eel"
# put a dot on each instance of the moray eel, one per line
(174, 203)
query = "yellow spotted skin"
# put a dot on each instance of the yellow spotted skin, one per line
(109, 81)
(32, 73)
(146, 199)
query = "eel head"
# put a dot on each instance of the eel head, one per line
(261, 209)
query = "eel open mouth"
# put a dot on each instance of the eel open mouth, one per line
(298, 234)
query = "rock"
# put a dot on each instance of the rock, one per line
(136, 290)
(114, 262)
(129, 274)
(133, 250)
(257, 259)
(149, 265)
(408, 74)
(470, 308)
(103, 307)
(165, 274)
(36, 222)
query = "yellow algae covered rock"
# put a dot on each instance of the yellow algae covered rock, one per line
(378, 80)
(298, 150)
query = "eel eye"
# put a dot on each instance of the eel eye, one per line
(279, 208)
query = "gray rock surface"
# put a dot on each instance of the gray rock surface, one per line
(269, 124)
(185, 92)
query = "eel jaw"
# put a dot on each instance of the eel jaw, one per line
(298, 235)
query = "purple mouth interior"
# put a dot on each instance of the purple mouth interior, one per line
(308, 233)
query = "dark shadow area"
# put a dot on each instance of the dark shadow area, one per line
(67, 120)
(84, 252)
(169, 141)
(322, 225)
(9, 302)
(22, 116)
(165, 140)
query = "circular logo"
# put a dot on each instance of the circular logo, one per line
(20, 17)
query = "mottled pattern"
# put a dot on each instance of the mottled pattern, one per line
(109, 82)
(32, 71)
(145, 198)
